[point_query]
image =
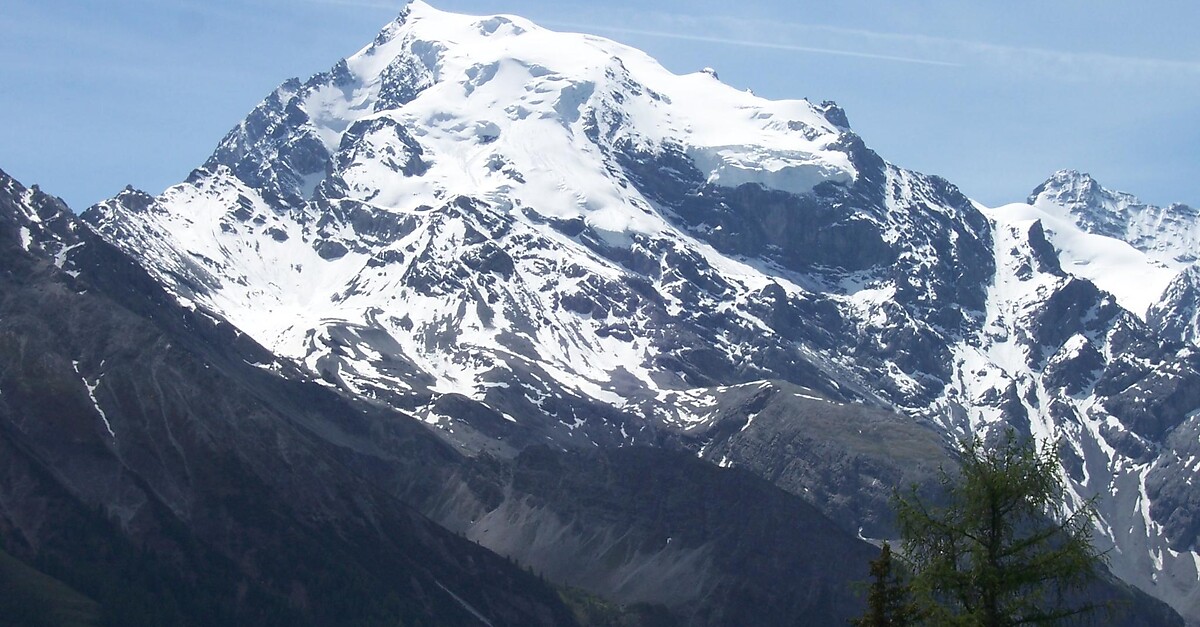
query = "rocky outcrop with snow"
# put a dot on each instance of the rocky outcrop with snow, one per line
(1176, 316)
(1168, 234)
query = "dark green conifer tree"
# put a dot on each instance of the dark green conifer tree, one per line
(1001, 552)
(889, 602)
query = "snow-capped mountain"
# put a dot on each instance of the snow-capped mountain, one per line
(1126, 247)
(1170, 235)
(521, 236)
(485, 199)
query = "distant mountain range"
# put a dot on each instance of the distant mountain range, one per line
(487, 309)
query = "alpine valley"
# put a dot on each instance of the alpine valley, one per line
(490, 324)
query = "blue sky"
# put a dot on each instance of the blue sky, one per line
(992, 95)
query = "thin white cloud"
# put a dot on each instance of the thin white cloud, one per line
(902, 47)
(753, 43)
(1025, 59)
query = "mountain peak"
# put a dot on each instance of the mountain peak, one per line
(434, 82)
(1169, 235)
(37, 222)
(1067, 187)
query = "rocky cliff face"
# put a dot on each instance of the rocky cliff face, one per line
(1176, 316)
(581, 249)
